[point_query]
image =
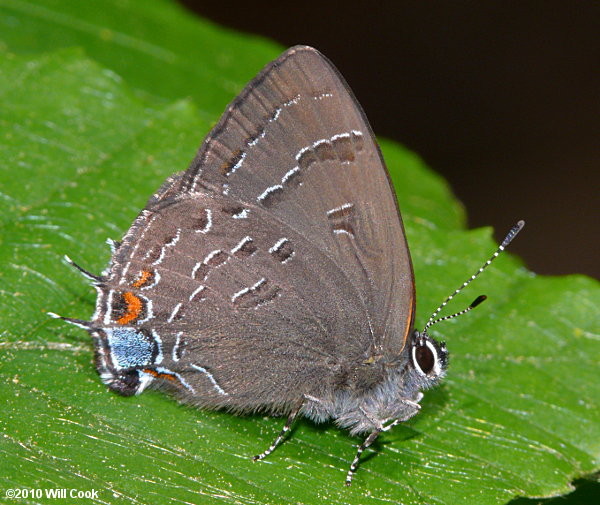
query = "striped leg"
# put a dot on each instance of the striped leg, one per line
(279, 439)
(369, 440)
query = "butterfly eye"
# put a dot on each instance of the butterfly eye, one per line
(424, 358)
(429, 359)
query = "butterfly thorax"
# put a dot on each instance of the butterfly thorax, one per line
(364, 409)
(381, 389)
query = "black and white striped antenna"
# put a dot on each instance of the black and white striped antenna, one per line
(507, 240)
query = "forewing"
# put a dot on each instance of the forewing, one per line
(297, 144)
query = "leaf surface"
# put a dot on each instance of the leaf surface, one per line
(85, 141)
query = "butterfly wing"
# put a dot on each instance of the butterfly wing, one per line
(277, 261)
(297, 143)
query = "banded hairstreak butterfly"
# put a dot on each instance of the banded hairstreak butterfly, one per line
(273, 275)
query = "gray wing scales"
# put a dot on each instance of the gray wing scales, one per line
(296, 143)
(252, 312)
(277, 263)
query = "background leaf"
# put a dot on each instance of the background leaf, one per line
(87, 137)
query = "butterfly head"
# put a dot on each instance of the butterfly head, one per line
(428, 357)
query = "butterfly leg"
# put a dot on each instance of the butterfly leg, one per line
(410, 403)
(368, 441)
(374, 434)
(279, 439)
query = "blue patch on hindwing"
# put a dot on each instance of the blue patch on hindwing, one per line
(131, 348)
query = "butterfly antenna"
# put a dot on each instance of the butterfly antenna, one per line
(507, 240)
(477, 301)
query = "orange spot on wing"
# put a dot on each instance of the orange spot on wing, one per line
(134, 308)
(409, 321)
(159, 375)
(145, 276)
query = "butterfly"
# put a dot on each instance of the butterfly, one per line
(274, 275)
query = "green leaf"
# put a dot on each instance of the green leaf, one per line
(86, 141)
(157, 47)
